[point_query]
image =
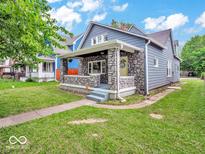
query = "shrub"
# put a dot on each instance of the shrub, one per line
(203, 75)
(29, 80)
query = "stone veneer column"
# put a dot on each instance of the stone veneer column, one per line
(63, 68)
(80, 66)
(136, 69)
(112, 69)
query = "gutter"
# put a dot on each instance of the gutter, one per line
(146, 66)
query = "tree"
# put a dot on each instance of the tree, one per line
(120, 25)
(193, 55)
(27, 29)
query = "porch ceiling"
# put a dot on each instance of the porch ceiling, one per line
(103, 46)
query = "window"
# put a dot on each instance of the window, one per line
(155, 62)
(47, 67)
(105, 38)
(2, 62)
(93, 41)
(97, 67)
(99, 39)
(32, 70)
(169, 68)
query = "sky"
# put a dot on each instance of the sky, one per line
(185, 17)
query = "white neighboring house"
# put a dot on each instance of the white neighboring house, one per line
(5, 66)
(45, 71)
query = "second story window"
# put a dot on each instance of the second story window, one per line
(99, 39)
(93, 41)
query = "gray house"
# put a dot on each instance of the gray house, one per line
(115, 63)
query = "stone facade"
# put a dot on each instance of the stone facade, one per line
(89, 81)
(112, 69)
(136, 68)
(127, 82)
(63, 69)
(94, 57)
(80, 66)
(75, 90)
(136, 74)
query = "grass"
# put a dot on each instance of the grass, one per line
(9, 84)
(129, 100)
(29, 96)
(127, 131)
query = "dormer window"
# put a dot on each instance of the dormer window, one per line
(99, 39)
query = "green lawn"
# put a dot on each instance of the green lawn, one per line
(27, 96)
(10, 84)
(129, 100)
(182, 130)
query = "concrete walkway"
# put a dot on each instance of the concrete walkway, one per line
(28, 116)
(150, 101)
(36, 114)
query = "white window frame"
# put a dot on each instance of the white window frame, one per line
(49, 67)
(169, 68)
(98, 41)
(101, 67)
(157, 62)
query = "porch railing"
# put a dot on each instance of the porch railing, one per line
(90, 81)
(127, 82)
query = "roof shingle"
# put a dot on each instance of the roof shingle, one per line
(161, 36)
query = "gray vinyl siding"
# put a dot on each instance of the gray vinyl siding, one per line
(112, 35)
(157, 76)
(176, 70)
(136, 31)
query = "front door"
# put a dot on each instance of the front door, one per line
(124, 66)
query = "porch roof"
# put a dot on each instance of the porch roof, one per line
(5, 66)
(46, 58)
(103, 46)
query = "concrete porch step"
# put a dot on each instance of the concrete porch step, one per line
(99, 94)
(96, 98)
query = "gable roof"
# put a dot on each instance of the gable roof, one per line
(116, 29)
(68, 42)
(71, 40)
(135, 28)
(161, 36)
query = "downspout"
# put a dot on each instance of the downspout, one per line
(146, 66)
(118, 76)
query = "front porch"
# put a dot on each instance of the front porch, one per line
(108, 68)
